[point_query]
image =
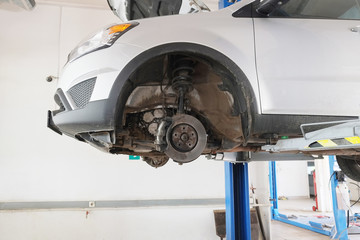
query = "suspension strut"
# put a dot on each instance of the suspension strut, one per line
(182, 80)
(182, 137)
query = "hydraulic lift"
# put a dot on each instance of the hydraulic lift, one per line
(238, 222)
(339, 231)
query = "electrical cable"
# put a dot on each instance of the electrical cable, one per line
(358, 200)
(331, 178)
(348, 211)
(348, 215)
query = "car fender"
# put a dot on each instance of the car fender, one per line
(123, 87)
(232, 37)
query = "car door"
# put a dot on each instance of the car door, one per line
(308, 58)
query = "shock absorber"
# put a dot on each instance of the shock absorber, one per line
(181, 137)
(182, 80)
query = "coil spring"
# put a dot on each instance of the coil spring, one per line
(184, 67)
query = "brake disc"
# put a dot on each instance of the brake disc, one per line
(186, 138)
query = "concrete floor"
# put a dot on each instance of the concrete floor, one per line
(301, 207)
(283, 231)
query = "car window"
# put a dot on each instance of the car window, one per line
(332, 9)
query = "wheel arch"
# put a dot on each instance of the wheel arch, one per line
(245, 100)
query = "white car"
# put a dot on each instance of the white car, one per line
(225, 81)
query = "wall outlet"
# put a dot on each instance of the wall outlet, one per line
(91, 204)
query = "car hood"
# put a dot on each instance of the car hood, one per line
(128, 10)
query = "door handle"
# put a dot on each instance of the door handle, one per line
(355, 29)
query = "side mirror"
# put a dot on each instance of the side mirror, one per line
(268, 6)
(128, 10)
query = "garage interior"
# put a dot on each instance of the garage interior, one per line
(52, 187)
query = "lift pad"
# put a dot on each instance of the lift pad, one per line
(341, 136)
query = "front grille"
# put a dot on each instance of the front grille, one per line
(81, 92)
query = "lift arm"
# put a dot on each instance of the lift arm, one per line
(342, 136)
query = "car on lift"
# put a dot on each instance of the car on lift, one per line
(225, 81)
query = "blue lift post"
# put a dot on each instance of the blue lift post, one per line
(273, 189)
(238, 223)
(226, 3)
(275, 215)
(339, 215)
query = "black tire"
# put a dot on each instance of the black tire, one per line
(350, 165)
(153, 8)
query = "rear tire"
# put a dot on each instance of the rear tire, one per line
(350, 165)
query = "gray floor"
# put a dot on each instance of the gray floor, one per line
(301, 207)
(283, 231)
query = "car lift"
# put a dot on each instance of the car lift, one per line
(339, 231)
(238, 222)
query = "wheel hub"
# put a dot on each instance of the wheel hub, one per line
(186, 138)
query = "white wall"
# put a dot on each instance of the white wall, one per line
(292, 179)
(183, 223)
(259, 181)
(36, 164)
(354, 190)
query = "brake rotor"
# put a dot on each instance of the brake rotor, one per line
(186, 138)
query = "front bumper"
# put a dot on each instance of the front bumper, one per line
(92, 118)
(83, 94)
(50, 123)
(87, 97)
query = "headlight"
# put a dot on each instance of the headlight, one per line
(100, 40)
